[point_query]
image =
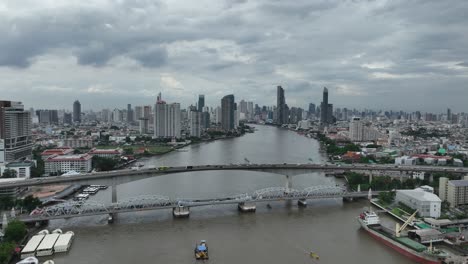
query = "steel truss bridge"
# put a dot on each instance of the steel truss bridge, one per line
(155, 202)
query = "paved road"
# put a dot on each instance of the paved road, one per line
(272, 168)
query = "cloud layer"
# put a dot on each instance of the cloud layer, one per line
(410, 55)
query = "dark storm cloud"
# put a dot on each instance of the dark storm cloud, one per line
(361, 50)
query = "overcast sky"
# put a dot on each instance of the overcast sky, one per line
(394, 54)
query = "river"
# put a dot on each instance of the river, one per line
(283, 233)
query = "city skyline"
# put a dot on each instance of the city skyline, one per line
(398, 61)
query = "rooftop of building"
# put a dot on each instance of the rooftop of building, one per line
(70, 157)
(105, 151)
(459, 183)
(58, 151)
(421, 195)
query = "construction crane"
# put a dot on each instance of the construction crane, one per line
(398, 229)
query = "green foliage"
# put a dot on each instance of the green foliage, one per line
(30, 203)
(128, 151)
(6, 250)
(38, 170)
(334, 149)
(355, 178)
(386, 197)
(104, 164)
(6, 202)
(15, 231)
(128, 139)
(9, 173)
(424, 133)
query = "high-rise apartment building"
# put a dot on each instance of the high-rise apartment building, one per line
(138, 112)
(195, 123)
(15, 131)
(167, 123)
(77, 111)
(227, 112)
(67, 118)
(356, 129)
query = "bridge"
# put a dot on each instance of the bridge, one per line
(155, 202)
(111, 178)
(114, 178)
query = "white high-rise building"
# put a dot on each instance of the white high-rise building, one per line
(217, 115)
(195, 124)
(117, 116)
(250, 110)
(15, 131)
(356, 129)
(167, 120)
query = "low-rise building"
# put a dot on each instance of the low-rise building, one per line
(427, 204)
(106, 153)
(58, 151)
(62, 164)
(78, 142)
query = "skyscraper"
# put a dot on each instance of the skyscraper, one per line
(201, 102)
(227, 112)
(166, 119)
(356, 129)
(15, 131)
(129, 113)
(311, 110)
(281, 107)
(449, 115)
(77, 111)
(195, 123)
(324, 108)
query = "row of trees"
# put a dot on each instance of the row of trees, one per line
(334, 149)
(29, 203)
(382, 183)
(14, 234)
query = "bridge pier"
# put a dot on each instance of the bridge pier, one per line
(246, 207)
(288, 182)
(181, 211)
(370, 177)
(302, 202)
(114, 191)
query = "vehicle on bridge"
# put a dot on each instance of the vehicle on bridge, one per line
(201, 250)
(163, 168)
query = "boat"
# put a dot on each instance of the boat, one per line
(57, 231)
(30, 249)
(64, 242)
(46, 248)
(201, 250)
(29, 260)
(412, 249)
(49, 262)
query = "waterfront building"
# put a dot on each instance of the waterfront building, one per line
(427, 203)
(59, 152)
(167, 120)
(455, 192)
(195, 123)
(106, 153)
(15, 131)
(77, 111)
(62, 164)
(227, 112)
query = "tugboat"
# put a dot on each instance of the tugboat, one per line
(201, 250)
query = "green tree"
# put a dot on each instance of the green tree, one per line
(30, 203)
(128, 139)
(128, 151)
(15, 231)
(9, 173)
(6, 251)
(104, 164)
(6, 202)
(386, 197)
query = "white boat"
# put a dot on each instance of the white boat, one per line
(46, 248)
(49, 262)
(57, 231)
(43, 232)
(29, 260)
(30, 249)
(64, 242)
(247, 207)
